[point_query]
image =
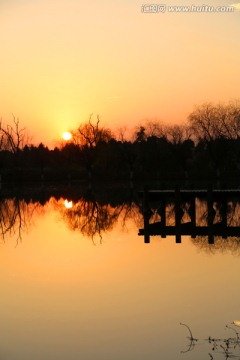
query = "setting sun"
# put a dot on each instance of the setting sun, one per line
(66, 135)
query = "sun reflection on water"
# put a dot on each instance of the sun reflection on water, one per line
(68, 204)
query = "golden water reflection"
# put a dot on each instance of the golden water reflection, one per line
(63, 298)
(94, 219)
(68, 204)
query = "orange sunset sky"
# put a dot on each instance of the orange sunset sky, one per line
(62, 60)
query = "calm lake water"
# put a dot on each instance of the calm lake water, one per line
(77, 282)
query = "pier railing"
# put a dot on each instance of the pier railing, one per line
(213, 227)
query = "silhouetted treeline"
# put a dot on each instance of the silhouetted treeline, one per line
(206, 148)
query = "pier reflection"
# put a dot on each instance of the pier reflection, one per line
(206, 216)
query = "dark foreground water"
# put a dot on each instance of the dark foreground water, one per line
(77, 282)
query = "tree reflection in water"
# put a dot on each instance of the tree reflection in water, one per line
(90, 218)
(93, 218)
(87, 214)
(95, 214)
(16, 215)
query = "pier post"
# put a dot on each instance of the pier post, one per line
(210, 215)
(178, 214)
(223, 214)
(162, 212)
(146, 215)
(186, 178)
(218, 179)
(192, 214)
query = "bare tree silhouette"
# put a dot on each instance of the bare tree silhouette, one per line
(210, 121)
(13, 137)
(90, 134)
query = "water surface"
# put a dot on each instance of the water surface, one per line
(78, 289)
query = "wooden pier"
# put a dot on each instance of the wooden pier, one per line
(178, 197)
